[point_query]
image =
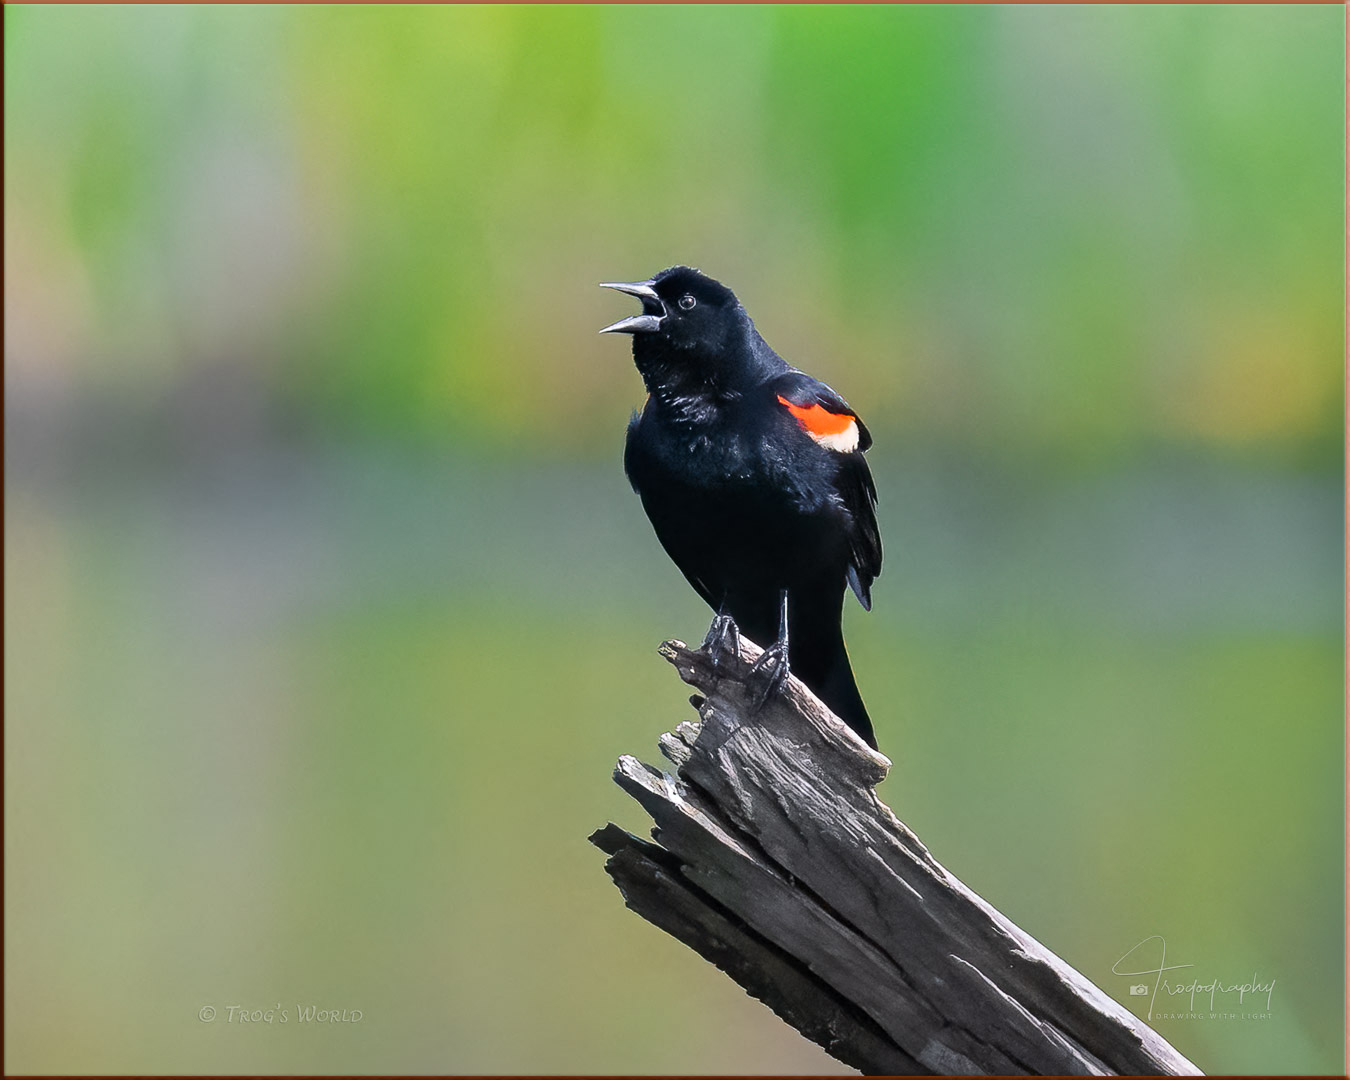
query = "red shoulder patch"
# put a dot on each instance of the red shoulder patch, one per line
(818, 420)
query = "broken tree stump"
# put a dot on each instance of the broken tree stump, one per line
(775, 859)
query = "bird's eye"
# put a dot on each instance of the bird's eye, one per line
(687, 301)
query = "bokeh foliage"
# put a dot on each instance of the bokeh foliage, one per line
(1071, 231)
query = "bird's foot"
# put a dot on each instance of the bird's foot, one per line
(768, 674)
(723, 642)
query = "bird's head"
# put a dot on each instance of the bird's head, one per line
(688, 321)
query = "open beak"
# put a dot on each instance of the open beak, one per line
(653, 308)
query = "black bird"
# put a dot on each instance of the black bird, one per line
(753, 476)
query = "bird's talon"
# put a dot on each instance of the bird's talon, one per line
(723, 642)
(768, 674)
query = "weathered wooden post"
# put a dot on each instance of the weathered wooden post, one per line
(775, 860)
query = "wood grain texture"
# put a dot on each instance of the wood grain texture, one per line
(775, 859)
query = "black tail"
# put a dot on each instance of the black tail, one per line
(816, 650)
(837, 688)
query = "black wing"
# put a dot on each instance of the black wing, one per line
(859, 495)
(854, 486)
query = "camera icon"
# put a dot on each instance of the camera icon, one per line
(1138, 990)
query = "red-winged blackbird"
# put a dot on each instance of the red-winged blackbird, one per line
(753, 476)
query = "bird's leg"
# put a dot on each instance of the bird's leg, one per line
(771, 670)
(723, 640)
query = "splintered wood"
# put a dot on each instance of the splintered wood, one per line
(775, 859)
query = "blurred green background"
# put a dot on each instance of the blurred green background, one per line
(328, 608)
